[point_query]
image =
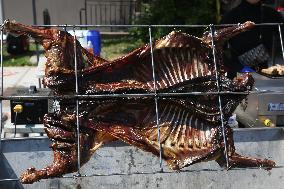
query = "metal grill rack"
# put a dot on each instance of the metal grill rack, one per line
(154, 95)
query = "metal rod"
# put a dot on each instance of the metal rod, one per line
(77, 105)
(234, 129)
(91, 14)
(281, 40)
(2, 70)
(124, 13)
(110, 21)
(9, 180)
(155, 94)
(130, 13)
(153, 26)
(1, 123)
(96, 14)
(116, 18)
(2, 87)
(101, 14)
(34, 11)
(86, 18)
(219, 97)
(273, 50)
(35, 23)
(15, 124)
(156, 99)
(105, 14)
(78, 139)
(80, 16)
(145, 95)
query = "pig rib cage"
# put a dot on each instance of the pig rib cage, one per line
(154, 95)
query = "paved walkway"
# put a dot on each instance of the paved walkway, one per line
(19, 77)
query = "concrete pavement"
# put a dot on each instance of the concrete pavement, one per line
(19, 77)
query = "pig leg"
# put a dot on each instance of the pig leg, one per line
(65, 153)
(239, 161)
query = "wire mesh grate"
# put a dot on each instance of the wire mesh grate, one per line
(155, 95)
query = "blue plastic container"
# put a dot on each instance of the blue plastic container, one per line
(95, 38)
(247, 69)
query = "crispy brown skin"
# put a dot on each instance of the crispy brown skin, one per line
(190, 126)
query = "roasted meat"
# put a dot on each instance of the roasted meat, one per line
(277, 70)
(190, 125)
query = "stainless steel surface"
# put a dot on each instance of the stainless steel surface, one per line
(267, 100)
(267, 91)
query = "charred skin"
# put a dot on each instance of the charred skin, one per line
(178, 58)
(185, 137)
(64, 147)
(190, 125)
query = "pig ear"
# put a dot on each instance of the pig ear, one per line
(224, 34)
(20, 29)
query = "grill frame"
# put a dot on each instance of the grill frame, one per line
(154, 95)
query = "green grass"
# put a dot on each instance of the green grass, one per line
(114, 48)
(111, 49)
(19, 60)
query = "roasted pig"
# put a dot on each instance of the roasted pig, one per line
(190, 125)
